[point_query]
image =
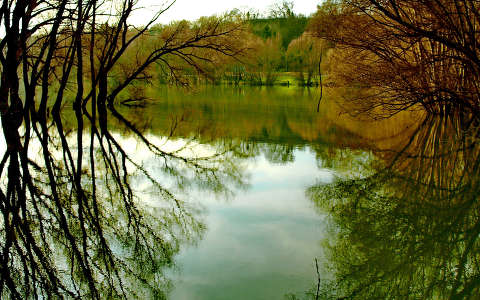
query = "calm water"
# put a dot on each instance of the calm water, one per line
(262, 237)
(232, 193)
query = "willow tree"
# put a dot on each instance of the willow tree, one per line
(305, 55)
(406, 52)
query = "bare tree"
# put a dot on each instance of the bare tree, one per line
(71, 226)
(281, 9)
(407, 52)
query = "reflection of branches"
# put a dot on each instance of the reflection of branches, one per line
(410, 229)
(78, 233)
(204, 166)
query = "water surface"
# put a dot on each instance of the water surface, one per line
(235, 193)
(261, 241)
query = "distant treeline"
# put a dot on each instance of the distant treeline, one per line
(287, 29)
(275, 49)
(281, 53)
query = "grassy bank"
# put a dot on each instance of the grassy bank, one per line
(260, 79)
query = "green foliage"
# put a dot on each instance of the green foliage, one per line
(287, 29)
(269, 39)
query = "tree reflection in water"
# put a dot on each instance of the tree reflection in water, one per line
(73, 223)
(410, 228)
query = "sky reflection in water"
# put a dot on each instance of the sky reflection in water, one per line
(235, 192)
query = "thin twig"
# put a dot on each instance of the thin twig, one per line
(318, 277)
(321, 84)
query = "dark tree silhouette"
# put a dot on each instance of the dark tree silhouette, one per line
(72, 224)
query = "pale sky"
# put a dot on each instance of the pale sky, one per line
(193, 9)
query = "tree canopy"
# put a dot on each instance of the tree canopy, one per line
(407, 52)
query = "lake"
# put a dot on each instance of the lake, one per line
(224, 192)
